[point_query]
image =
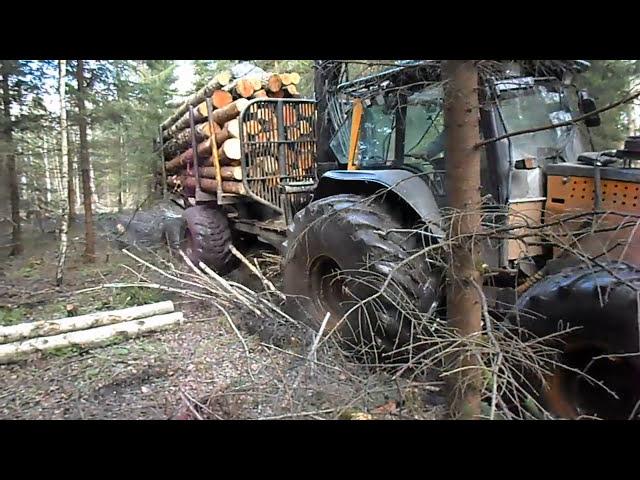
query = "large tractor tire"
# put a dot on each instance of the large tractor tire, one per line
(598, 311)
(340, 251)
(207, 238)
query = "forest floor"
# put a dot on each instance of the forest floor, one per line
(199, 369)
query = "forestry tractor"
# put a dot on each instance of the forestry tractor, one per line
(350, 186)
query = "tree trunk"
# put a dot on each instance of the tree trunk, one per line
(64, 200)
(461, 114)
(71, 186)
(12, 172)
(11, 352)
(76, 180)
(47, 173)
(85, 167)
(121, 163)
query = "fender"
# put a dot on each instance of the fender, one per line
(409, 187)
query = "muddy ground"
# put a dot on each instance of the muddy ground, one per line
(199, 369)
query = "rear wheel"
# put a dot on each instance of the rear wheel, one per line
(340, 253)
(207, 238)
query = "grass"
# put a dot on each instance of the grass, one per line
(11, 316)
(132, 296)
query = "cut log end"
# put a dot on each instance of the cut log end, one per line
(245, 87)
(274, 84)
(221, 98)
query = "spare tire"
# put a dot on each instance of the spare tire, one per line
(340, 250)
(207, 238)
(590, 315)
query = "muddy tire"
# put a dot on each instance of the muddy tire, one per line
(208, 237)
(602, 307)
(340, 251)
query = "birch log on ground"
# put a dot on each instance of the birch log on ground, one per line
(12, 352)
(219, 81)
(45, 328)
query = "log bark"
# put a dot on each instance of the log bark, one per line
(12, 352)
(278, 94)
(227, 173)
(182, 140)
(461, 113)
(44, 328)
(219, 81)
(182, 160)
(204, 154)
(206, 184)
(220, 116)
(199, 116)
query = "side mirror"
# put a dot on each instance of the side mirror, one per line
(587, 104)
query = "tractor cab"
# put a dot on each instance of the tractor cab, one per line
(395, 121)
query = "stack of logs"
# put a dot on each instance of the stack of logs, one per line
(228, 99)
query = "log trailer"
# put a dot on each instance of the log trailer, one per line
(382, 136)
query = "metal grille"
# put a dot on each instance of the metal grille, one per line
(279, 151)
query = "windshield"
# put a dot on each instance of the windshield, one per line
(538, 106)
(377, 143)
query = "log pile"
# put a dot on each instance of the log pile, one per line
(229, 96)
(18, 341)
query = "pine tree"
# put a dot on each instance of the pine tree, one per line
(608, 81)
(10, 71)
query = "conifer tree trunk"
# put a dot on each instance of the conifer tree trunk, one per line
(10, 162)
(461, 119)
(85, 167)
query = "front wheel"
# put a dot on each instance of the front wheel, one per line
(345, 259)
(590, 316)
